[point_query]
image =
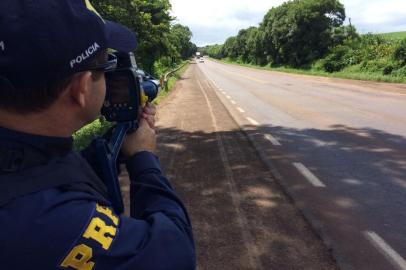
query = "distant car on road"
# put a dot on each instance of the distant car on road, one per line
(201, 60)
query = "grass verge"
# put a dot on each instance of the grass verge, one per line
(83, 137)
(171, 83)
(394, 35)
(348, 73)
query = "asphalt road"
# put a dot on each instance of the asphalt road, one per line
(241, 217)
(338, 148)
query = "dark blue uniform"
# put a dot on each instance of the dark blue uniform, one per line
(74, 227)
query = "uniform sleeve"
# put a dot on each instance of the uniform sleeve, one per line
(122, 243)
(159, 234)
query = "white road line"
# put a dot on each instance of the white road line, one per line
(386, 250)
(224, 93)
(308, 174)
(274, 141)
(252, 121)
(240, 110)
(233, 102)
(228, 97)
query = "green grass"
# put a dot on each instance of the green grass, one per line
(348, 73)
(171, 83)
(394, 35)
(84, 136)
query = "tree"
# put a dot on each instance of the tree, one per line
(180, 37)
(230, 48)
(240, 45)
(150, 20)
(296, 33)
(400, 52)
(343, 34)
(299, 32)
(253, 47)
(215, 51)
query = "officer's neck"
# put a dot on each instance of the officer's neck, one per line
(52, 123)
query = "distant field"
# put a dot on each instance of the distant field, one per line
(394, 35)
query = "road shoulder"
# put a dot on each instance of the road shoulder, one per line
(242, 219)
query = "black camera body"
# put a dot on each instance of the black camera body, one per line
(126, 95)
(127, 91)
(123, 94)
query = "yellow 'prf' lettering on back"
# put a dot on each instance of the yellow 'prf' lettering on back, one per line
(79, 258)
(98, 231)
(107, 211)
(91, 8)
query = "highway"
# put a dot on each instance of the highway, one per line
(338, 148)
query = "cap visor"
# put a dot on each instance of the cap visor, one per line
(120, 38)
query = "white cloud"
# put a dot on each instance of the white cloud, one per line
(377, 15)
(210, 12)
(212, 21)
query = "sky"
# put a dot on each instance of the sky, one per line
(213, 21)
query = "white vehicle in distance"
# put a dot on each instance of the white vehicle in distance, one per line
(201, 60)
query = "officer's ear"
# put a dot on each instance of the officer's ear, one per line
(80, 88)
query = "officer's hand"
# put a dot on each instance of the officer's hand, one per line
(144, 139)
(149, 114)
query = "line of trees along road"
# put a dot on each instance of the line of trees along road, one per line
(161, 44)
(311, 34)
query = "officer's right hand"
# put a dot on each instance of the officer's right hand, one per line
(148, 113)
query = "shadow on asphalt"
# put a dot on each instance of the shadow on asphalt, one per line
(278, 236)
(351, 160)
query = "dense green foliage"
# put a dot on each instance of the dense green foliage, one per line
(400, 52)
(298, 32)
(310, 35)
(160, 43)
(84, 136)
(295, 33)
(372, 54)
(180, 39)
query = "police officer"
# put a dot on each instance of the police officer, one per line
(54, 211)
